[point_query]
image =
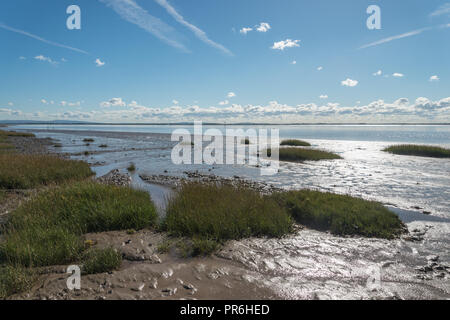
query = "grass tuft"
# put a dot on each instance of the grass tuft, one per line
(223, 212)
(419, 150)
(46, 230)
(131, 168)
(295, 143)
(18, 171)
(304, 154)
(340, 214)
(88, 140)
(14, 280)
(99, 261)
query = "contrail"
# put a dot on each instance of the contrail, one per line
(198, 32)
(4, 26)
(130, 11)
(403, 35)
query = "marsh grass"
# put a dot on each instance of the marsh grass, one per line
(103, 146)
(19, 171)
(100, 260)
(222, 212)
(340, 214)
(293, 154)
(14, 280)
(419, 150)
(131, 167)
(88, 140)
(47, 229)
(295, 143)
(15, 134)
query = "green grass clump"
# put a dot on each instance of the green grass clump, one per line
(295, 143)
(418, 150)
(99, 261)
(88, 140)
(16, 134)
(14, 280)
(18, 171)
(47, 229)
(131, 168)
(340, 214)
(103, 146)
(304, 154)
(203, 247)
(223, 212)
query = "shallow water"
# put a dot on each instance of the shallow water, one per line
(313, 264)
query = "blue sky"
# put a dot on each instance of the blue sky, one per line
(179, 60)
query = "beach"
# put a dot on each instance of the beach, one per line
(307, 264)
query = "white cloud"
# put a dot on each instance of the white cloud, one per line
(323, 96)
(378, 73)
(434, 78)
(294, 62)
(43, 101)
(130, 11)
(197, 31)
(114, 102)
(319, 68)
(398, 75)
(3, 26)
(263, 27)
(70, 104)
(288, 43)
(10, 104)
(175, 102)
(231, 95)
(22, 58)
(224, 103)
(63, 59)
(46, 59)
(245, 30)
(349, 83)
(99, 63)
(443, 9)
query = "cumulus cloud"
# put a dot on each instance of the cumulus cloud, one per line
(245, 30)
(378, 73)
(398, 75)
(99, 62)
(294, 62)
(224, 103)
(288, 43)
(70, 104)
(323, 96)
(319, 68)
(434, 78)
(175, 102)
(231, 95)
(349, 83)
(114, 102)
(43, 101)
(263, 27)
(46, 59)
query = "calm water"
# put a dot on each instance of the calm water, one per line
(422, 184)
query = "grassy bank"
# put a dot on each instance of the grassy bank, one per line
(419, 150)
(295, 143)
(14, 280)
(46, 230)
(19, 171)
(217, 213)
(303, 154)
(340, 214)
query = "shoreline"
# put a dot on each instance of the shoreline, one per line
(249, 269)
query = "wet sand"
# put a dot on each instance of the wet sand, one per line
(305, 265)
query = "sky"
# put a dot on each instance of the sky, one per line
(150, 61)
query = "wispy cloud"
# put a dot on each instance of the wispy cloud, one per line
(197, 31)
(99, 63)
(443, 9)
(25, 33)
(130, 11)
(400, 36)
(46, 59)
